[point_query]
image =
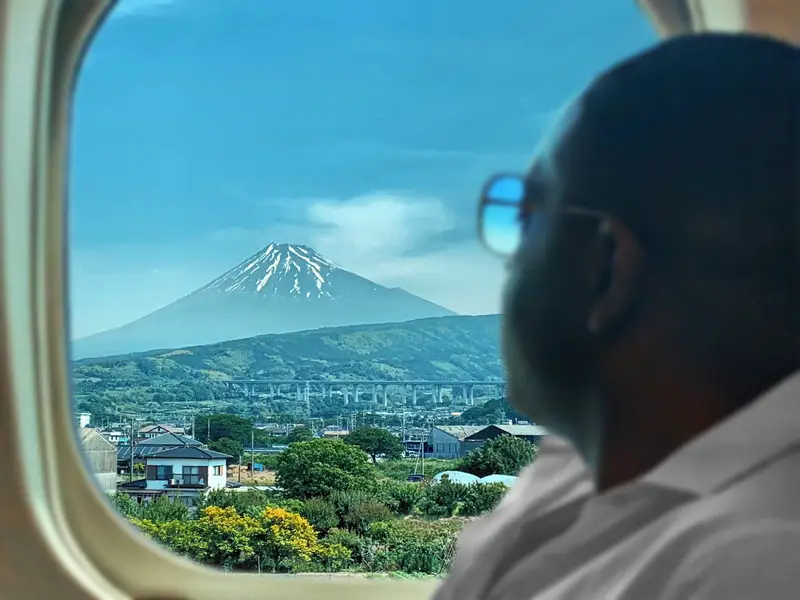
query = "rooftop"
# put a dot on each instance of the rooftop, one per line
(170, 439)
(460, 431)
(188, 452)
(154, 445)
(522, 430)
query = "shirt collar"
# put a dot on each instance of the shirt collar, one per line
(747, 439)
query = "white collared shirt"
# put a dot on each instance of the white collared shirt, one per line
(717, 520)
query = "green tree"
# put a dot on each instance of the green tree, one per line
(299, 434)
(318, 467)
(226, 445)
(493, 411)
(221, 425)
(375, 441)
(503, 455)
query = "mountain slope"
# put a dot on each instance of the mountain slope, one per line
(448, 348)
(279, 289)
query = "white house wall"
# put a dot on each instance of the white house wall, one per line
(214, 481)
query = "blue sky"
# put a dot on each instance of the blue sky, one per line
(204, 129)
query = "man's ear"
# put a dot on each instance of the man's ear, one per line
(620, 263)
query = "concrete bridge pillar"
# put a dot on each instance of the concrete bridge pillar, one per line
(346, 394)
(375, 394)
(386, 395)
(414, 395)
(471, 395)
(358, 390)
(299, 393)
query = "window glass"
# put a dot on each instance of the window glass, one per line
(273, 261)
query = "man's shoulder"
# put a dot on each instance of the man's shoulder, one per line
(746, 535)
(556, 477)
(748, 559)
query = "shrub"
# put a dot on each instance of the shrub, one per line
(219, 537)
(163, 509)
(241, 501)
(181, 537)
(349, 539)
(411, 545)
(124, 504)
(361, 516)
(332, 556)
(224, 538)
(344, 500)
(503, 455)
(320, 513)
(286, 539)
(443, 499)
(401, 496)
(481, 498)
(291, 504)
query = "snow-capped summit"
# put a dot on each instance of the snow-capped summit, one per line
(280, 288)
(280, 270)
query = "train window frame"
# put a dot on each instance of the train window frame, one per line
(54, 520)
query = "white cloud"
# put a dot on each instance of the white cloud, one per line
(464, 277)
(382, 236)
(379, 225)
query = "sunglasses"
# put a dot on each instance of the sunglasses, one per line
(508, 212)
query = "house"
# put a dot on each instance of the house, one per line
(181, 473)
(83, 419)
(531, 433)
(413, 447)
(274, 429)
(447, 441)
(115, 436)
(101, 458)
(150, 446)
(151, 431)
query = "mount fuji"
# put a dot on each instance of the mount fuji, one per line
(279, 289)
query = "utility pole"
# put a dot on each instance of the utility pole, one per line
(208, 430)
(252, 452)
(133, 447)
(422, 451)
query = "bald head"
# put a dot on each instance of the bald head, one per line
(683, 165)
(694, 145)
